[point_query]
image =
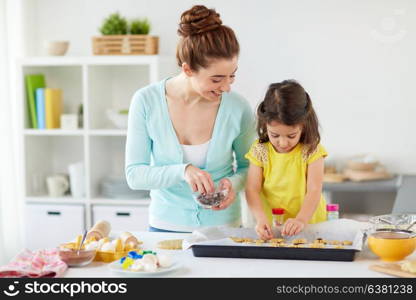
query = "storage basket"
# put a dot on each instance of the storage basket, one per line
(136, 44)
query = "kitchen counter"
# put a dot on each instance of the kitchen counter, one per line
(391, 185)
(384, 185)
(240, 267)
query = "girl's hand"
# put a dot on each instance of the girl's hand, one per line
(292, 227)
(264, 229)
(225, 184)
(199, 181)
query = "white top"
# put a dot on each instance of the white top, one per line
(196, 154)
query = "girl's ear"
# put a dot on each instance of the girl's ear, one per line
(187, 70)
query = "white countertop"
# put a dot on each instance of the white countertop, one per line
(240, 267)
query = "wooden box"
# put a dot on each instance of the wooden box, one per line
(125, 44)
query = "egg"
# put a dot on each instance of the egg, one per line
(118, 246)
(102, 242)
(150, 258)
(91, 245)
(164, 260)
(137, 266)
(149, 267)
(108, 247)
(130, 246)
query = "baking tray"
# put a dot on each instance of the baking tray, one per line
(326, 254)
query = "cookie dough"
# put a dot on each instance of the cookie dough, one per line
(170, 244)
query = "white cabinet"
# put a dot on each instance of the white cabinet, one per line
(47, 226)
(98, 83)
(123, 218)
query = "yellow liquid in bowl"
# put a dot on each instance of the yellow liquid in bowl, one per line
(391, 246)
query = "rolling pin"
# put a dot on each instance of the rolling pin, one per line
(100, 230)
(128, 239)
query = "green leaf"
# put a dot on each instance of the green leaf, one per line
(140, 26)
(114, 25)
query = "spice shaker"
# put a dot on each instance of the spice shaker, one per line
(278, 216)
(332, 212)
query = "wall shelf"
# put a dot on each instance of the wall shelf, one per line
(56, 132)
(104, 60)
(104, 201)
(108, 132)
(98, 83)
(57, 200)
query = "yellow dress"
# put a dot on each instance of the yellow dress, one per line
(285, 178)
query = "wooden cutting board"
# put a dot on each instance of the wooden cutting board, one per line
(354, 175)
(392, 269)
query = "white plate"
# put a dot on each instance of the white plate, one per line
(116, 268)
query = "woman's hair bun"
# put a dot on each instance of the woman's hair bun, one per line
(197, 20)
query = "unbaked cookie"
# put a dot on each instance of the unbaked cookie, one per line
(248, 240)
(317, 245)
(320, 241)
(299, 241)
(334, 242)
(237, 239)
(170, 244)
(276, 240)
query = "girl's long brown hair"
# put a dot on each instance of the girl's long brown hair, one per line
(288, 103)
(203, 38)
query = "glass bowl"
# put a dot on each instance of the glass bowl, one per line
(73, 259)
(393, 221)
(210, 200)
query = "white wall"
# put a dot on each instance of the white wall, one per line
(355, 58)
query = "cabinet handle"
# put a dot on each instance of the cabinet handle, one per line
(54, 213)
(123, 214)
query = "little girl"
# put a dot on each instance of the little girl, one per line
(286, 162)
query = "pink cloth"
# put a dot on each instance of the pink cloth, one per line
(41, 263)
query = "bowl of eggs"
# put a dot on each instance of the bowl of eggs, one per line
(110, 250)
(104, 249)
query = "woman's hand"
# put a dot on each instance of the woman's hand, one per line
(225, 184)
(263, 229)
(199, 181)
(292, 227)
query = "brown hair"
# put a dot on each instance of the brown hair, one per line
(203, 37)
(288, 103)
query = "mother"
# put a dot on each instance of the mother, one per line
(185, 132)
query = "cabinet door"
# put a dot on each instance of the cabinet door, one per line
(122, 218)
(48, 226)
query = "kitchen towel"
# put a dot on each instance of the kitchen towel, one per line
(34, 264)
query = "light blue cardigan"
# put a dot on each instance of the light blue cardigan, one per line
(154, 157)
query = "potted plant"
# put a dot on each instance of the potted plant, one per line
(114, 25)
(123, 37)
(139, 26)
